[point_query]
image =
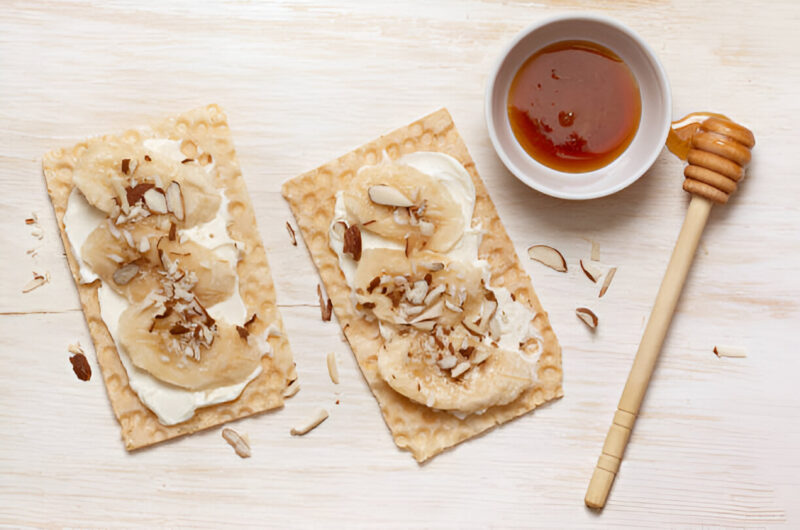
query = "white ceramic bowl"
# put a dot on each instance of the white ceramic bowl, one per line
(653, 125)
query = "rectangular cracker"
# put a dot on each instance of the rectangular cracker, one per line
(423, 431)
(208, 129)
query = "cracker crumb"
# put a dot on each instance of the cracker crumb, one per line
(319, 416)
(730, 351)
(333, 368)
(236, 441)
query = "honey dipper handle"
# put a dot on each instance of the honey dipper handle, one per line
(647, 355)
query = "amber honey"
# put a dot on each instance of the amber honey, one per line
(574, 106)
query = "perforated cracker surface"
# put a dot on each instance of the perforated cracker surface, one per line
(207, 127)
(312, 196)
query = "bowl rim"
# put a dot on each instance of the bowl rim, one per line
(492, 126)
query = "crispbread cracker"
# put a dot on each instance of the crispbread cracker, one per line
(208, 129)
(423, 431)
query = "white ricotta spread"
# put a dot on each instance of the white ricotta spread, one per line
(170, 403)
(514, 320)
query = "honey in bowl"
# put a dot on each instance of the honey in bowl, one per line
(574, 106)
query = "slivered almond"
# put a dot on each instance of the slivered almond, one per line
(433, 312)
(549, 256)
(292, 236)
(325, 308)
(236, 441)
(333, 369)
(292, 389)
(592, 271)
(388, 196)
(730, 351)
(37, 281)
(352, 242)
(125, 274)
(434, 266)
(339, 228)
(319, 416)
(588, 316)
(155, 201)
(595, 251)
(609, 276)
(174, 201)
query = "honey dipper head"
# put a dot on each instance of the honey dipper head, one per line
(720, 151)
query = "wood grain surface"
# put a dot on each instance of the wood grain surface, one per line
(717, 441)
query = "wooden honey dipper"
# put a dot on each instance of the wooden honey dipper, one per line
(717, 150)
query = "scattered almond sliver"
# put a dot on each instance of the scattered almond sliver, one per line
(730, 351)
(587, 316)
(549, 256)
(292, 389)
(333, 369)
(37, 281)
(609, 276)
(292, 235)
(319, 416)
(236, 441)
(326, 308)
(595, 251)
(591, 270)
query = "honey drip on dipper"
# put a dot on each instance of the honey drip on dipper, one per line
(717, 150)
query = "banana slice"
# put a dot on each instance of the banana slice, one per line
(408, 364)
(106, 178)
(420, 290)
(229, 359)
(378, 197)
(109, 249)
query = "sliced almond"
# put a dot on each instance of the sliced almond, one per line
(292, 236)
(319, 416)
(609, 276)
(460, 368)
(292, 389)
(352, 242)
(592, 271)
(730, 351)
(174, 201)
(155, 201)
(339, 228)
(433, 312)
(388, 196)
(426, 228)
(236, 441)
(325, 308)
(125, 274)
(549, 256)
(595, 251)
(333, 369)
(588, 316)
(37, 281)
(433, 266)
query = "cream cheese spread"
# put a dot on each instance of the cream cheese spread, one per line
(170, 403)
(513, 319)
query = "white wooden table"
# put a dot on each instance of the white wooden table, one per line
(718, 441)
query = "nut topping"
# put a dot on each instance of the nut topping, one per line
(587, 316)
(174, 201)
(352, 242)
(549, 256)
(125, 274)
(236, 441)
(388, 196)
(155, 201)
